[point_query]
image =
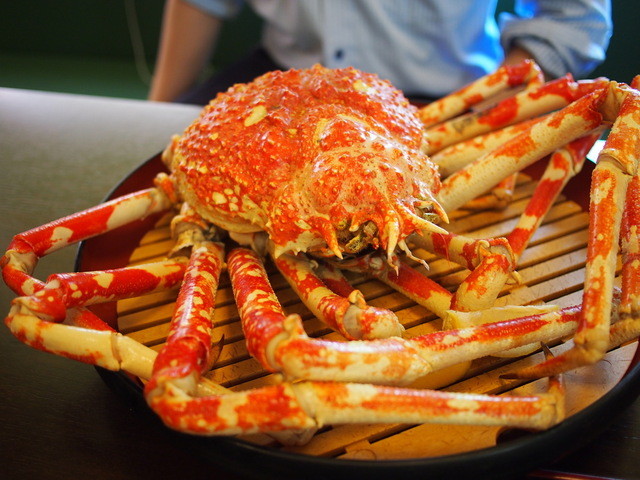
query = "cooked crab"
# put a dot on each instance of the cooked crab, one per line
(324, 170)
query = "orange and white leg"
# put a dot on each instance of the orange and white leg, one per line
(399, 361)
(310, 405)
(458, 155)
(404, 279)
(479, 290)
(333, 278)
(498, 198)
(36, 320)
(576, 120)
(508, 77)
(52, 316)
(280, 344)
(485, 282)
(490, 261)
(26, 248)
(613, 191)
(303, 406)
(522, 106)
(313, 404)
(187, 353)
(36, 316)
(628, 326)
(465, 251)
(176, 390)
(350, 315)
(563, 165)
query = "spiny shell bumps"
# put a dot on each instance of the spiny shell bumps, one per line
(325, 161)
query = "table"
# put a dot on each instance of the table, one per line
(58, 419)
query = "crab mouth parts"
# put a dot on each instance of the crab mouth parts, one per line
(355, 241)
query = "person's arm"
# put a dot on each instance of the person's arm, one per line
(187, 41)
(562, 36)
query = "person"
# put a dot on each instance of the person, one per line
(426, 48)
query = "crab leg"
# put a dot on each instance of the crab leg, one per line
(630, 242)
(522, 106)
(94, 221)
(92, 341)
(140, 364)
(124, 354)
(459, 155)
(504, 78)
(302, 406)
(613, 191)
(105, 348)
(187, 352)
(592, 339)
(483, 285)
(138, 360)
(563, 165)
(631, 245)
(491, 262)
(307, 405)
(405, 280)
(627, 327)
(86, 337)
(30, 317)
(67, 290)
(280, 344)
(498, 198)
(574, 121)
(465, 251)
(23, 252)
(334, 279)
(350, 316)
(611, 177)
(89, 339)
(398, 361)
(176, 378)
(313, 404)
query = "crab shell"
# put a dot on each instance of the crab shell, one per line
(325, 161)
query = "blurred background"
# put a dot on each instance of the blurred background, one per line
(107, 47)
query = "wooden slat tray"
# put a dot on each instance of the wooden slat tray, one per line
(552, 271)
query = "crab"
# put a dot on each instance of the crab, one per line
(320, 171)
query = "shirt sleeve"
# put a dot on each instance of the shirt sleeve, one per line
(223, 9)
(562, 35)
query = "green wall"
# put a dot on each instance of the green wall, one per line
(84, 46)
(99, 28)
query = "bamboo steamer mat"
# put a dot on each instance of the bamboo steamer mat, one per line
(551, 270)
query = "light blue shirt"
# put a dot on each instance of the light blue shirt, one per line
(429, 47)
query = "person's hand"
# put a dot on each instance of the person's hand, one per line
(516, 54)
